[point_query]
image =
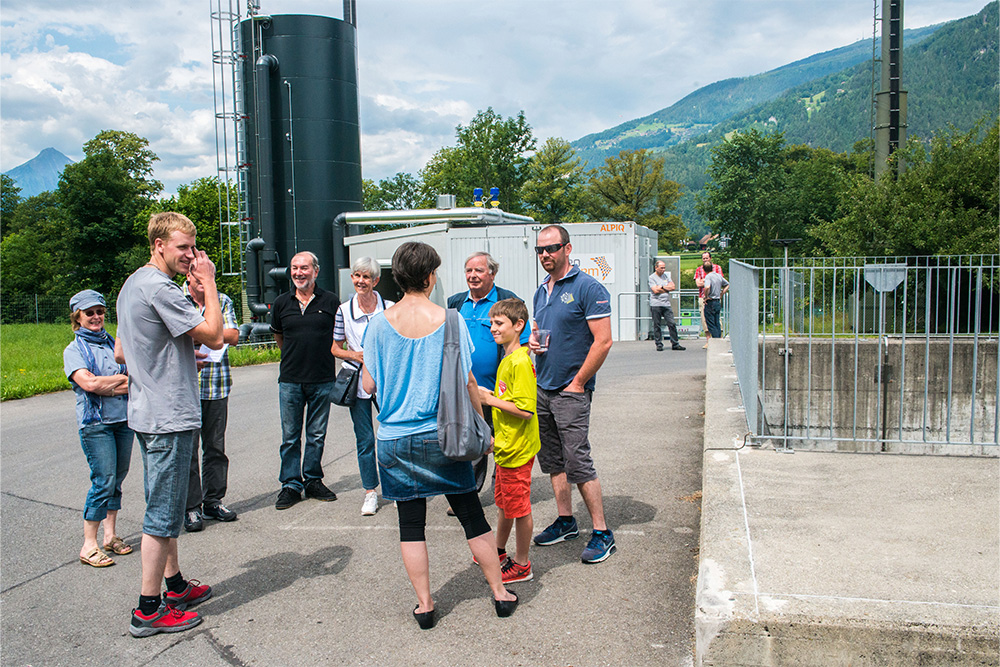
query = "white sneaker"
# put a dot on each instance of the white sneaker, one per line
(370, 505)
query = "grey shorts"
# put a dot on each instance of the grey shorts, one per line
(564, 427)
(166, 459)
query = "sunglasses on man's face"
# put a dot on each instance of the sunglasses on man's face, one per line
(93, 311)
(551, 248)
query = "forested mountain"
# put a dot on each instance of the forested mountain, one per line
(952, 77)
(698, 112)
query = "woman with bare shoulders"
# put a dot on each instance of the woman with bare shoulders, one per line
(404, 348)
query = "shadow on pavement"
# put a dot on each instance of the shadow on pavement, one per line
(273, 573)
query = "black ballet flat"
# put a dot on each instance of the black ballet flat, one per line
(426, 619)
(505, 607)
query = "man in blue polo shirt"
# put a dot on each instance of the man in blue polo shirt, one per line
(474, 305)
(576, 309)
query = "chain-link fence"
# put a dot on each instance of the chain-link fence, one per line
(16, 308)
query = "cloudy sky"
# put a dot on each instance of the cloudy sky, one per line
(70, 69)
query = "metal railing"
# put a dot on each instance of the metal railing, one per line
(886, 354)
(687, 316)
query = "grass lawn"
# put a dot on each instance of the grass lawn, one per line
(32, 362)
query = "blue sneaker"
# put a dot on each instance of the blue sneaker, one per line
(560, 531)
(601, 545)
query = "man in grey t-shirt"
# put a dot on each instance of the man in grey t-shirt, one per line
(715, 287)
(156, 329)
(660, 287)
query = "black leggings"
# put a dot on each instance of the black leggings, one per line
(468, 509)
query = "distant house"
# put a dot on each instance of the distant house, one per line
(706, 240)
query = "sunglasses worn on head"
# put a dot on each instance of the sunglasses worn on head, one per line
(551, 248)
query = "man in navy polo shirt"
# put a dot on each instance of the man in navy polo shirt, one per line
(302, 323)
(474, 305)
(576, 309)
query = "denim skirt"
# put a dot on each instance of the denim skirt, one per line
(414, 467)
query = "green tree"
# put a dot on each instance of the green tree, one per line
(742, 199)
(34, 254)
(131, 152)
(199, 201)
(10, 197)
(371, 196)
(101, 196)
(632, 186)
(401, 192)
(555, 181)
(491, 152)
(946, 202)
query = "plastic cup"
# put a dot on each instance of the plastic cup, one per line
(543, 339)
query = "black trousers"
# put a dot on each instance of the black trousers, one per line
(209, 485)
(663, 314)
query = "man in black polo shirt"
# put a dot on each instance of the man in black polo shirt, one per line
(302, 323)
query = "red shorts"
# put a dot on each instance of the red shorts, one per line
(513, 490)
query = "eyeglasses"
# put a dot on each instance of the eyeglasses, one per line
(90, 312)
(551, 248)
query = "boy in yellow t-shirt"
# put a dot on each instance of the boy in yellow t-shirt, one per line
(515, 429)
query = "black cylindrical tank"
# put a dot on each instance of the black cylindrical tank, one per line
(308, 89)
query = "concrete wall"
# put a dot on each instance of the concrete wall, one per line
(834, 393)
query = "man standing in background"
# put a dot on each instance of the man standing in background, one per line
(699, 279)
(474, 306)
(660, 287)
(207, 487)
(302, 322)
(576, 310)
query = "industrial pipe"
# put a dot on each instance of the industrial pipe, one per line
(253, 329)
(265, 166)
(470, 214)
(255, 297)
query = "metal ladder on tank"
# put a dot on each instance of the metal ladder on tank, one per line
(230, 133)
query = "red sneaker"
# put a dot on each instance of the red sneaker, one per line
(164, 619)
(189, 597)
(514, 572)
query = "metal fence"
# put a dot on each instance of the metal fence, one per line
(54, 308)
(884, 354)
(687, 316)
(43, 308)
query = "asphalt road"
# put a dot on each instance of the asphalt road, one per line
(321, 584)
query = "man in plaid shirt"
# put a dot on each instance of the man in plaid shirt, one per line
(206, 490)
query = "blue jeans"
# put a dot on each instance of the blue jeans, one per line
(364, 433)
(712, 309)
(166, 462)
(300, 467)
(108, 448)
(414, 467)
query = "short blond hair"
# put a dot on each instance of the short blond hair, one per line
(162, 225)
(74, 319)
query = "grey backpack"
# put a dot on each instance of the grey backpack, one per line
(462, 433)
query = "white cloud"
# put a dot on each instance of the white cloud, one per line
(574, 66)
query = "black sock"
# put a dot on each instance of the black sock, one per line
(149, 604)
(176, 583)
(566, 519)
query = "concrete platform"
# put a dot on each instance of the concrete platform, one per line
(817, 558)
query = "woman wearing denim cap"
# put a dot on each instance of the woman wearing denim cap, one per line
(101, 387)
(404, 351)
